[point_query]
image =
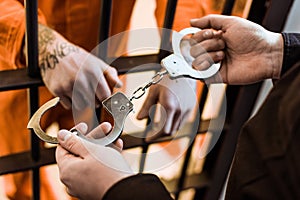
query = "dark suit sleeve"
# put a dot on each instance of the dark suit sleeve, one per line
(267, 162)
(291, 51)
(140, 186)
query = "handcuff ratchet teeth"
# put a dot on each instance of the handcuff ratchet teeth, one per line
(35, 120)
(118, 105)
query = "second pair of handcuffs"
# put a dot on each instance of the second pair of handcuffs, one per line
(119, 105)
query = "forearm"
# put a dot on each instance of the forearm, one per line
(52, 48)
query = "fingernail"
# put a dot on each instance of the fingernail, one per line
(64, 135)
(193, 20)
(81, 127)
(220, 54)
(140, 115)
(119, 84)
(207, 34)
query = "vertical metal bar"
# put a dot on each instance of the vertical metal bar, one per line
(188, 154)
(31, 37)
(104, 27)
(31, 40)
(242, 111)
(275, 21)
(145, 146)
(35, 144)
(228, 7)
(34, 104)
(184, 167)
(164, 46)
(168, 24)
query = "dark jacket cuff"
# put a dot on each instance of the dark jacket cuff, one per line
(140, 186)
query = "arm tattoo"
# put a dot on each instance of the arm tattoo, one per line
(51, 51)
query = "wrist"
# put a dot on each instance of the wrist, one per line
(276, 52)
(114, 180)
(52, 48)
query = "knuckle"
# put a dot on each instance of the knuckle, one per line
(112, 70)
(64, 176)
(221, 44)
(71, 143)
(171, 106)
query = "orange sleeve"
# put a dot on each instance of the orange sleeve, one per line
(12, 31)
(12, 28)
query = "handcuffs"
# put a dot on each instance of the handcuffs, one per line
(119, 105)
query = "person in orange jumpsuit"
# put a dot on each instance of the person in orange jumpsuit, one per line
(70, 23)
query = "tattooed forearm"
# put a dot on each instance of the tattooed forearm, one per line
(51, 50)
(46, 38)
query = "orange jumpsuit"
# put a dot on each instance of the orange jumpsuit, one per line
(76, 20)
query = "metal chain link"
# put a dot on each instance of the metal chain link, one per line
(138, 93)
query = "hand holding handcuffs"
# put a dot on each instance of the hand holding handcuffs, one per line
(119, 105)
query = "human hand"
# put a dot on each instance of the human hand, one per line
(63, 64)
(251, 52)
(207, 48)
(177, 99)
(89, 170)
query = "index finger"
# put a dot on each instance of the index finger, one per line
(209, 21)
(62, 156)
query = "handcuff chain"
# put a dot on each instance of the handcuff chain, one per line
(138, 93)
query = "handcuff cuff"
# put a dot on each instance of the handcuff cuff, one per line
(119, 105)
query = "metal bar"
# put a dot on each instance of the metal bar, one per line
(196, 127)
(34, 105)
(228, 7)
(35, 143)
(241, 114)
(23, 161)
(104, 28)
(145, 145)
(17, 79)
(31, 39)
(145, 148)
(145, 63)
(166, 32)
(182, 177)
(277, 15)
(164, 46)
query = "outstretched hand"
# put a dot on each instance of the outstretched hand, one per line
(176, 98)
(252, 53)
(72, 73)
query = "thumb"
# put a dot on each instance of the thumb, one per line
(209, 21)
(144, 112)
(149, 102)
(71, 143)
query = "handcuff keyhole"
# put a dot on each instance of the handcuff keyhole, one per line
(122, 108)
